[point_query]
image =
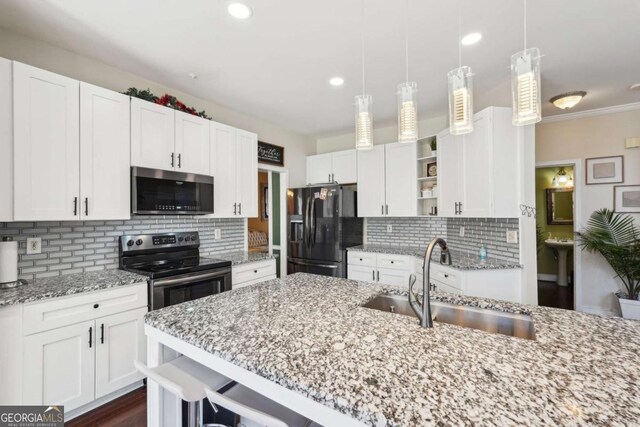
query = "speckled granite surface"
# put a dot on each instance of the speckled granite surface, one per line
(53, 287)
(308, 333)
(242, 257)
(460, 261)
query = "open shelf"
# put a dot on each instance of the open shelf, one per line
(424, 159)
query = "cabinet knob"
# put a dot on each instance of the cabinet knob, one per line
(360, 259)
(391, 262)
(96, 305)
(255, 271)
(446, 275)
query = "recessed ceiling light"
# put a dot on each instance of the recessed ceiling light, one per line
(239, 10)
(567, 100)
(192, 76)
(471, 38)
(336, 81)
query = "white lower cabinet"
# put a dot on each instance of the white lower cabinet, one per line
(251, 273)
(379, 268)
(75, 359)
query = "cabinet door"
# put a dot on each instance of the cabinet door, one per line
(371, 181)
(477, 149)
(247, 174)
(46, 145)
(449, 173)
(319, 168)
(401, 171)
(59, 366)
(192, 143)
(394, 277)
(104, 154)
(6, 140)
(344, 166)
(362, 273)
(152, 135)
(223, 169)
(120, 340)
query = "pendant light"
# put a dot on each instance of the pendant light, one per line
(407, 104)
(364, 137)
(460, 93)
(525, 82)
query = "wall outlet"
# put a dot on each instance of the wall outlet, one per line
(512, 236)
(389, 228)
(34, 245)
(461, 231)
(217, 234)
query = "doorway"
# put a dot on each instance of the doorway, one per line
(557, 197)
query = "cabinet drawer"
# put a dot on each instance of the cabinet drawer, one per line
(58, 312)
(362, 258)
(361, 273)
(397, 262)
(439, 286)
(445, 275)
(252, 272)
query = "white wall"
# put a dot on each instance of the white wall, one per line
(382, 134)
(37, 53)
(583, 138)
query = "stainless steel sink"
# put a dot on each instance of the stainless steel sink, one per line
(496, 322)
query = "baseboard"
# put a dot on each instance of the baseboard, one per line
(68, 416)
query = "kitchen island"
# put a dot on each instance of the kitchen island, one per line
(306, 342)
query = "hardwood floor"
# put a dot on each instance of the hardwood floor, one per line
(129, 410)
(552, 295)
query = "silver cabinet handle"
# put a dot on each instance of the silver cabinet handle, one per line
(172, 158)
(180, 161)
(378, 273)
(86, 206)
(386, 208)
(75, 206)
(373, 275)
(239, 208)
(329, 178)
(460, 208)
(235, 208)
(382, 209)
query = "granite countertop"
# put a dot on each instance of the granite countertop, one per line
(242, 257)
(460, 259)
(309, 334)
(53, 287)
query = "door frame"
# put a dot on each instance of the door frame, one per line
(284, 185)
(578, 173)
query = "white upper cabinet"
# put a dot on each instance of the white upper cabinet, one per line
(192, 143)
(46, 145)
(234, 166)
(478, 172)
(371, 182)
(401, 173)
(104, 154)
(339, 167)
(6, 141)
(152, 135)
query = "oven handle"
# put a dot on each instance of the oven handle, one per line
(190, 279)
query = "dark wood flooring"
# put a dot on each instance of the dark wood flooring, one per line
(552, 295)
(129, 410)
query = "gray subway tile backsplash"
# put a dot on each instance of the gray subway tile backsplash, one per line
(70, 247)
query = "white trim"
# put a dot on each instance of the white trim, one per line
(591, 113)
(578, 173)
(102, 401)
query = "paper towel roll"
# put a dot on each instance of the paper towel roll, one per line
(8, 261)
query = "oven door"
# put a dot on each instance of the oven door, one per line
(187, 287)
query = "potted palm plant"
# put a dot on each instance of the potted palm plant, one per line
(617, 239)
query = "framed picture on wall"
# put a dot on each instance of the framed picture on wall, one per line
(626, 198)
(604, 170)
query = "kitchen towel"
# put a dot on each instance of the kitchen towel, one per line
(8, 261)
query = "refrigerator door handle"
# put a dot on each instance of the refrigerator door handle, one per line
(313, 222)
(307, 233)
(312, 264)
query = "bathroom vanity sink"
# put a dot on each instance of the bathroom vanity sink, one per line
(561, 248)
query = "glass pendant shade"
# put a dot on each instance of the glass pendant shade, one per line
(364, 139)
(460, 101)
(525, 86)
(407, 112)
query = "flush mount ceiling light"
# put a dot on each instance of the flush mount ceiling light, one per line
(239, 10)
(562, 179)
(471, 39)
(336, 81)
(568, 100)
(363, 114)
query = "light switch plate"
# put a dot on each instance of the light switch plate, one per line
(34, 245)
(217, 235)
(389, 228)
(461, 231)
(512, 236)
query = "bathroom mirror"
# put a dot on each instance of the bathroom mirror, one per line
(559, 206)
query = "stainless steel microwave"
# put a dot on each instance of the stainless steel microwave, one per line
(159, 192)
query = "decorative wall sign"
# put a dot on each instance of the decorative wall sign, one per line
(604, 170)
(626, 198)
(271, 154)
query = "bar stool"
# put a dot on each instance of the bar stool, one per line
(192, 382)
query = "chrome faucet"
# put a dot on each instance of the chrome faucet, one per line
(423, 309)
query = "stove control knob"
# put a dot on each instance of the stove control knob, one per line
(194, 237)
(130, 243)
(139, 242)
(187, 238)
(180, 239)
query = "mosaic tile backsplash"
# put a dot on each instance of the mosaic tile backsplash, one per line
(419, 231)
(78, 246)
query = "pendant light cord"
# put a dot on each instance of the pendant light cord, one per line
(525, 24)
(406, 40)
(362, 40)
(459, 33)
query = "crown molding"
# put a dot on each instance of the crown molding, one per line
(592, 113)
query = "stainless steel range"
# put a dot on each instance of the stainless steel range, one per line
(176, 271)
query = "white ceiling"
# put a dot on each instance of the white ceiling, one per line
(276, 65)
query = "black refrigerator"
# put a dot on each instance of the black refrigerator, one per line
(322, 223)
